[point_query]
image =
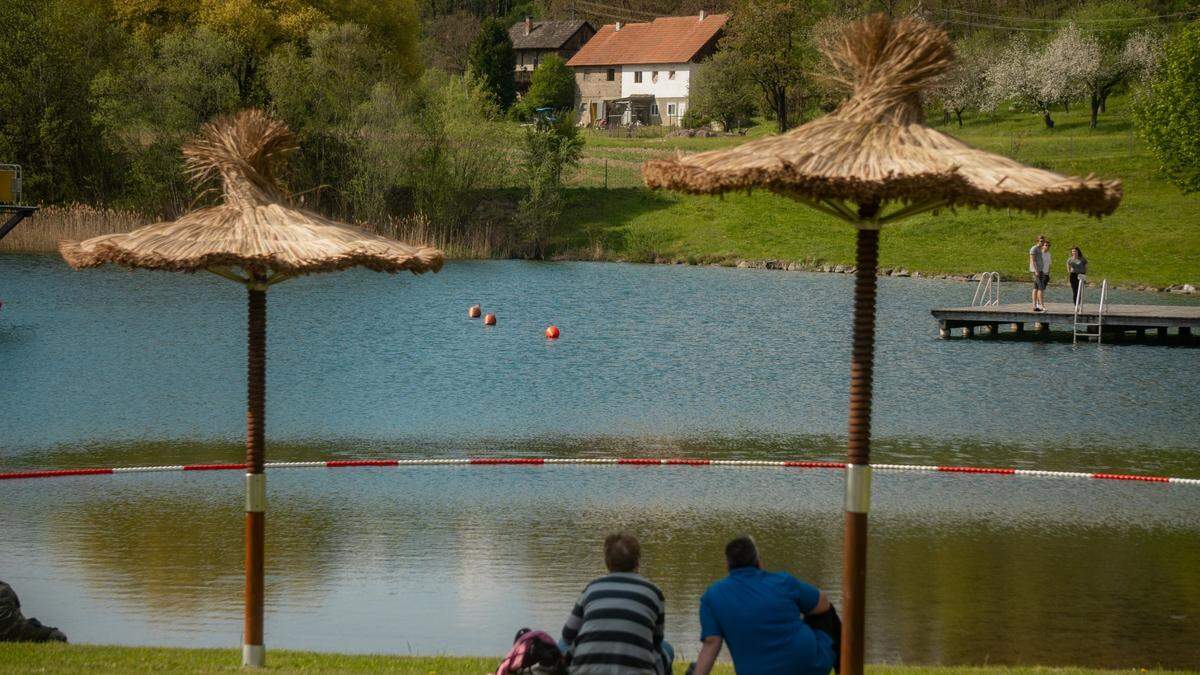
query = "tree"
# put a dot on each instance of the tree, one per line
(320, 86)
(1125, 50)
(1039, 78)
(50, 52)
(774, 40)
(179, 83)
(1066, 65)
(447, 41)
(493, 60)
(1167, 112)
(428, 150)
(552, 85)
(964, 87)
(721, 89)
(259, 27)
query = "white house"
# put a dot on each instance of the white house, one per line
(641, 71)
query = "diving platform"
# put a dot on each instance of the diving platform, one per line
(11, 210)
(11, 214)
(1115, 321)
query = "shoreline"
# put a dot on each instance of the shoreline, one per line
(898, 272)
(88, 658)
(780, 265)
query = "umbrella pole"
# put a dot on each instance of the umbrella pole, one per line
(253, 651)
(858, 469)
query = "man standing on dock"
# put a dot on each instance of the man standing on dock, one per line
(1039, 267)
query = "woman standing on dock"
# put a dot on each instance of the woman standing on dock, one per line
(1077, 268)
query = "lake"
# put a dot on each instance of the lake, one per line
(107, 367)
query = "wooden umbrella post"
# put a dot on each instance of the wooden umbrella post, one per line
(253, 650)
(858, 468)
(240, 240)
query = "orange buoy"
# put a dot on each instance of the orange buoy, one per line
(552, 332)
(475, 311)
(489, 319)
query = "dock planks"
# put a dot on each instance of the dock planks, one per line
(1118, 319)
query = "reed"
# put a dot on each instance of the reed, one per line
(42, 232)
(75, 222)
(475, 241)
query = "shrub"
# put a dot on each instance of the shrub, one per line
(1168, 110)
(552, 85)
(548, 151)
(722, 90)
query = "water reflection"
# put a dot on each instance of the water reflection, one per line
(450, 559)
(1184, 461)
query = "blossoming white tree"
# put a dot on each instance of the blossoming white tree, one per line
(1037, 78)
(1136, 58)
(965, 86)
(1128, 46)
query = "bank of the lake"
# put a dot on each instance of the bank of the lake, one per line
(1149, 241)
(610, 215)
(24, 658)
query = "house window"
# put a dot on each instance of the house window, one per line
(654, 109)
(637, 76)
(654, 76)
(612, 74)
(671, 75)
(671, 110)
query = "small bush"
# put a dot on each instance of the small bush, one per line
(549, 149)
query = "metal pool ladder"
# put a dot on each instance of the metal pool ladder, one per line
(987, 291)
(1084, 328)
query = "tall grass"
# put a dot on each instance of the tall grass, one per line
(42, 232)
(478, 241)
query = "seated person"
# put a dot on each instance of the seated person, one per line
(617, 623)
(760, 615)
(14, 627)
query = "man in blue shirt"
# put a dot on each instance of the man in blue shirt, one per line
(761, 615)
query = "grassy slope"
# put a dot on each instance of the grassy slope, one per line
(1151, 239)
(26, 658)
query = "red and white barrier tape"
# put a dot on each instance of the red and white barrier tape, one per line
(540, 461)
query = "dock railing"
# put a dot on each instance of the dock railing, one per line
(1085, 325)
(987, 291)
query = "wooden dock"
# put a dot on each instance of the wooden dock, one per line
(1119, 320)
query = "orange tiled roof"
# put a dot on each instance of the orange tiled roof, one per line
(669, 39)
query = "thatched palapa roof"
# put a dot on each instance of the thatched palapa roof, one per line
(875, 147)
(256, 227)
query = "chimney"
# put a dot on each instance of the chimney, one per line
(617, 27)
(702, 15)
(528, 25)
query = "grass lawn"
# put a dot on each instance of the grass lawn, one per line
(25, 658)
(1151, 239)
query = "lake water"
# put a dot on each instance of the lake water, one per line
(107, 367)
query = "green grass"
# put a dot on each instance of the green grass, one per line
(27, 658)
(1152, 238)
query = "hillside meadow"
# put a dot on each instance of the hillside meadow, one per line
(1150, 241)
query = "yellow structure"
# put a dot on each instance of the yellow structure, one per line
(10, 184)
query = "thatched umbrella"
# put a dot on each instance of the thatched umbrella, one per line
(870, 163)
(257, 239)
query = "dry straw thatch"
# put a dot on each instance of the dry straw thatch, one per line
(256, 227)
(875, 148)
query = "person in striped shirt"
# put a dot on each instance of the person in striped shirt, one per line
(616, 626)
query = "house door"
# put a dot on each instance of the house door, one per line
(592, 113)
